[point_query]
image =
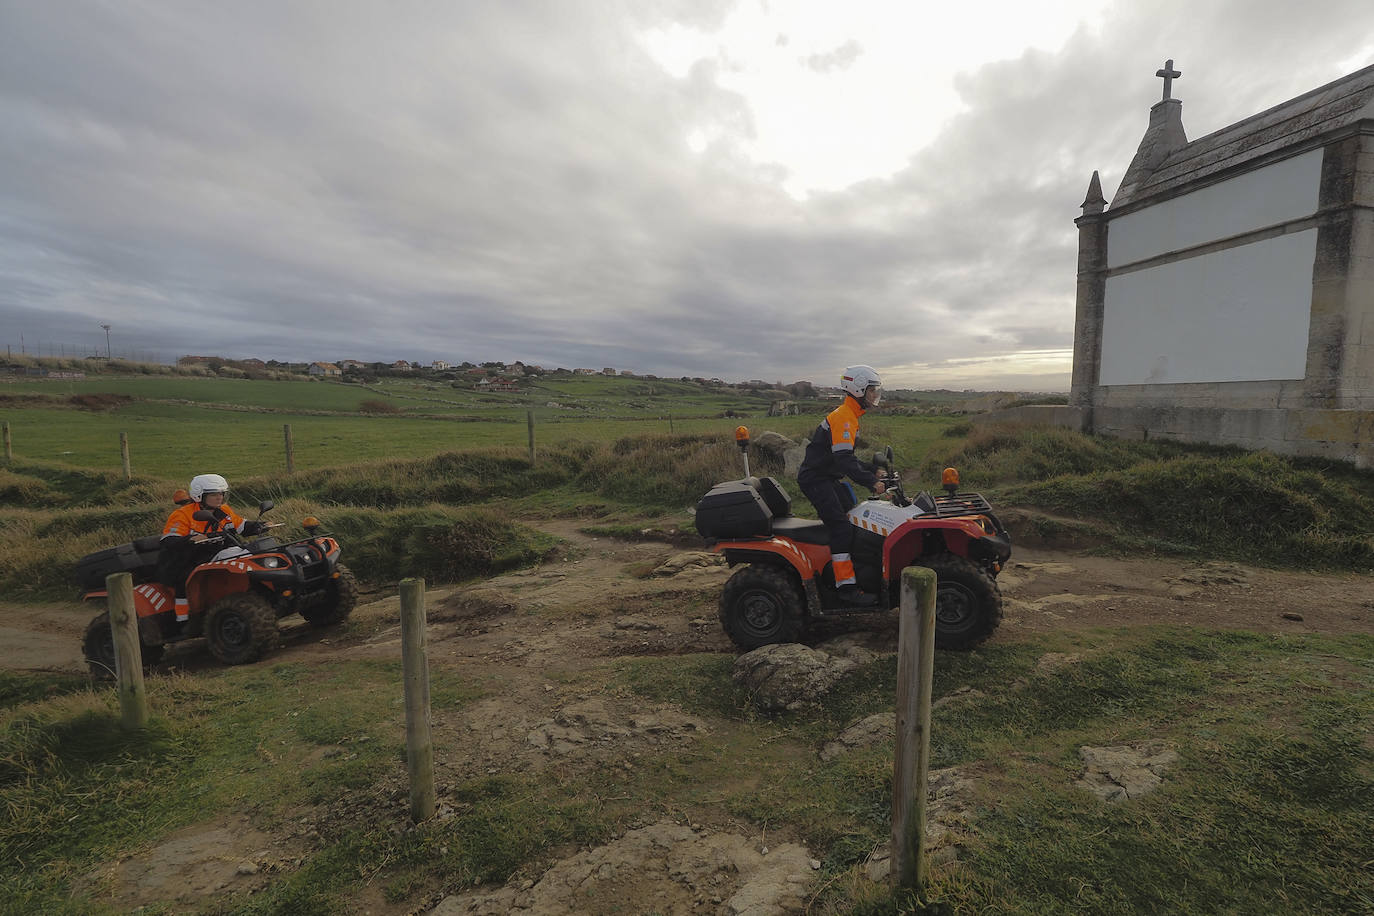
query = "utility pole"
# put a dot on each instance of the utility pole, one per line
(107, 340)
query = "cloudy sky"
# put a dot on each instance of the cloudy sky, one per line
(684, 187)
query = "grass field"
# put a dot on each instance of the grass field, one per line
(179, 426)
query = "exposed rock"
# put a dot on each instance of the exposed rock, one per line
(792, 460)
(692, 559)
(1053, 661)
(1120, 772)
(879, 727)
(958, 695)
(949, 809)
(665, 868)
(788, 676)
(588, 726)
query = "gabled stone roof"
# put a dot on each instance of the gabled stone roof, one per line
(1296, 123)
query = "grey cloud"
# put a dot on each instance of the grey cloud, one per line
(501, 181)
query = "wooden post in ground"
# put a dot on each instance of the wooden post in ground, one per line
(670, 424)
(915, 670)
(290, 449)
(529, 419)
(415, 665)
(9, 449)
(133, 702)
(124, 455)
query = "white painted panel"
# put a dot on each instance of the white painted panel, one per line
(1239, 315)
(1265, 197)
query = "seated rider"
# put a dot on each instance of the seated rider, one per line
(183, 534)
(829, 460)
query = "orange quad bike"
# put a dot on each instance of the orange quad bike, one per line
(785, 581)
(235, 597)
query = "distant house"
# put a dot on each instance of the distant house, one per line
(584, 372)
(608, 371)
(402, 366)
(438, 364)
(496, 384)
(325, 369)
(347, 364)
(626, 372)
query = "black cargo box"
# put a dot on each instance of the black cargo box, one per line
(733, 510)
(774, 496)
(137, 557)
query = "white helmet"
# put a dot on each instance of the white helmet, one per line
(858, 379)
(207, 483)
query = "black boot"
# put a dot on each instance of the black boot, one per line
(852, 596)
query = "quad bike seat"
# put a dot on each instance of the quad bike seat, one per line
(808, 531)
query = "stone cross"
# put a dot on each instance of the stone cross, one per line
(1169, 74)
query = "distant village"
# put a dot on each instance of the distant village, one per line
(487, 376)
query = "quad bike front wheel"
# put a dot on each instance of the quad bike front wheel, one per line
(761, 605)
(342, 598)
(968, 604)
(241, 628)
(98, 647)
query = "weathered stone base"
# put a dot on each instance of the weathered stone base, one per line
(1344, 435)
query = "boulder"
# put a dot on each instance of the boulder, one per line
(771, 446)
(788, 676)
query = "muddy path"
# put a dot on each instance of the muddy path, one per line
(530, 634)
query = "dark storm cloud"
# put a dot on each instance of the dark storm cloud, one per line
(500, 181)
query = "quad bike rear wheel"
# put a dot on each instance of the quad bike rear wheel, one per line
(968, 604)
(342, 598)
(241, 628)
(761, 605)
(98, 647)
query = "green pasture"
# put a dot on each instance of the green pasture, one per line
(178, 426)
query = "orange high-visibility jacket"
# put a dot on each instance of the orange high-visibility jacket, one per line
(180, 524)
(830, 453)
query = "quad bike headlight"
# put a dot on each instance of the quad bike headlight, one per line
(271, 562)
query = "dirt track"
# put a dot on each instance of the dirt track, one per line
(579, 595)
(600, 599)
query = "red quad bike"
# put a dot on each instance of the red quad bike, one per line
(235, 598)
(786, 580)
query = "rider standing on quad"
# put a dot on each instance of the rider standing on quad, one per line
(829, 460)
(183, 533)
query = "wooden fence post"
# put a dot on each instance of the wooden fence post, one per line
(133, 702)
(9, 450)
(915, 678)
(290, 449)
(529, 419)
(670, 424)
(415, 665)
(124, 455)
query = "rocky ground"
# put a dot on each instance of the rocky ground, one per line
(600, 599)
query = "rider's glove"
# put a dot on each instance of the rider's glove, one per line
(252, 528)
